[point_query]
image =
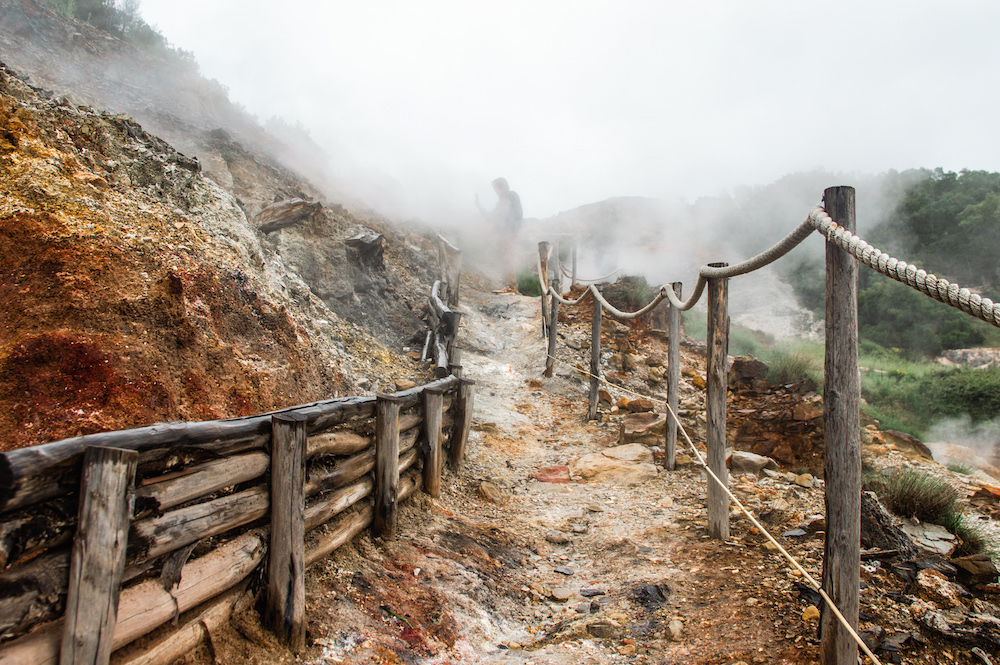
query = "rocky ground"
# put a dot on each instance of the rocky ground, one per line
(537, 553)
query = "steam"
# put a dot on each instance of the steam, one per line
(962, 441)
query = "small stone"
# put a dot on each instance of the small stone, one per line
(404, 384)
(675, 630)
(795, 533)
(594, 508)
(590, 592)
(641, 405)
(513, 645)
(680, 460)
(552, 474)
(804, 480)
(811, 613)
(935, 587)
(564, 570)
(562, 593)
(557, 537)
(605, 630)
(490, 492)
(583, 608)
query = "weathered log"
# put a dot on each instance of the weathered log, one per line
(351, 524)
(408, 421)
(285, 213)
(196, 630)
(285, 603)
(433, 400)
(177, 528)
(463, 422)
(338, 443)
(350, 469)
(35, 529)
(203, 479)
(147, 605)
(33, 593)
(97, 559)
(331, 505)
(386, 465)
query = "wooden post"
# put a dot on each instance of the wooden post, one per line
(463, 422)
(98, 557)
(550, 356)
(715, 403)
(433, 403)
(455, 292)
(572, 284)
(543, 282)
(595, 356)
(673, 376)
(386, 465)
(286, 586)
(841, 404)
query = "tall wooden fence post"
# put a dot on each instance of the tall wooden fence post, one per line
(595, 357)
(673, 377)
(433, 403)
(550, 355)
(286, 582)
(97, 561)
(715, 403)
(386, 465)
(463, 422)
(841, 404)
(543, 283)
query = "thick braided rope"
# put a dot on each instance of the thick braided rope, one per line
(940, 289)
(566, 273)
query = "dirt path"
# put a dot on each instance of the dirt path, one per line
(547, 572)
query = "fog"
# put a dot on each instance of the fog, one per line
(419, 105)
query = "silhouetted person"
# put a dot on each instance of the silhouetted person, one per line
(506, 218)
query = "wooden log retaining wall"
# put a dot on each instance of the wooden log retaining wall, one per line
(202, 517)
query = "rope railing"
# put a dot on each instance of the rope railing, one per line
(843, 447)
(743, 509)
(567, 273)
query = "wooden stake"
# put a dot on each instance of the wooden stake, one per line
(841, 404)
(595, 357)
(543, 279)
(386, 461)
(286, 591)
(673, 376)
(433, 402)
(715, 403)
(98, 558)
(550, 357)
(463, 422)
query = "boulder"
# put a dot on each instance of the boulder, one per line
(647, 428)
(623, 465)
(741, 462)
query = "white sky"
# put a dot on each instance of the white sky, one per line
(578, 101)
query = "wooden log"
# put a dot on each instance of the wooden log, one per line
(177, 528)
(455, 356)
(842, 470)
(433, 403)
(350, 469)
(337, 443)
(147, 605)
(463, 422)
(346, 527)
(543, 279)
(386, 466)
(33, 593)
(197, 628)
(30, 531)
(408, 421)
(285, 602)
(179, 487)
(97, 559)
(331, 505)
(715, 404)
(673, 377)
(595, 357)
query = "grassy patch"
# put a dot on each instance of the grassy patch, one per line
(910, 494)
(528, 284)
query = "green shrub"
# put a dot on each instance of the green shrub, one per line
(972, 539)
(791, 366)
(528, 284)
(910, 494)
